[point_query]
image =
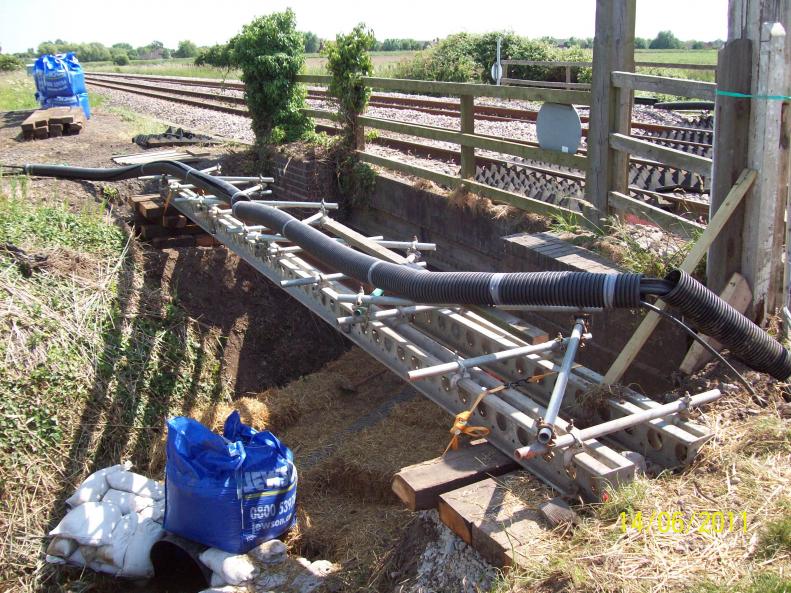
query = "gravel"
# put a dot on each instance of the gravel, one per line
(196, 119)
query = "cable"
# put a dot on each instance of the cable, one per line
(712, 315)
(700, 341)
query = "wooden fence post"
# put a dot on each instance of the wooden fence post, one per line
(467, 127)
(764, 230)
(731, 132)
(613, 49)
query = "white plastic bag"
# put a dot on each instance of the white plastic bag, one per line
(94, 486)
(114, 552)
(89, 524)
(126, 501)
(232, 568)
(136, 484)
(137, 561)
(217, 580)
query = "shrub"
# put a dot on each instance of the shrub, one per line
(348, 61)
(9, 63)
(219, 56)
(464, 57)
(121, 59)
(269, 51)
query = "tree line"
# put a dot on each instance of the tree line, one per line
(663, 40)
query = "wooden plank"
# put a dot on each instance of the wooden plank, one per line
(151, 210)
(547, 63)
(34, 120)
(362, 242)
(477, 141)
(321, 79)
(731, 134)
(55, 130)
(623, 204)
(611, 112)
(419, 486)
(498, 525)
(480, 90)
(321, 114)
(546, 84)
(663, 154)
(676, 66)
(145, 198)
(649, 323)
(493, 193)
(663, 84)
(738, 295)
(467, 109)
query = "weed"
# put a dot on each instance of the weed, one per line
(110, 193)
(627, 498)
(776, 536)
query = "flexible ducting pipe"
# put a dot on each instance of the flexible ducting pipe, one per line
(712, 315)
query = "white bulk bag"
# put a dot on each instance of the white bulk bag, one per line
(89, 524)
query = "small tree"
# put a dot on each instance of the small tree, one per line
(121, 59)
(186, 49)
(269, 51)
(348, 61)
(666, 40)
(312, 42)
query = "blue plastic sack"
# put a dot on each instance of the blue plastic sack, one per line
(60, 82)
(231, 492)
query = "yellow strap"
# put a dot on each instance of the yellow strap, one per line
(167, 203)
(460, 426)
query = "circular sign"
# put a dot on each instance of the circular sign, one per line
(497, 72)
(559, 128)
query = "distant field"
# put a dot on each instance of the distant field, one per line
(314, 64)
(689, 56)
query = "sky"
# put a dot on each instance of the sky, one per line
(26, 23)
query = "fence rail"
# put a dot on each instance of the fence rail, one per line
(618, 203)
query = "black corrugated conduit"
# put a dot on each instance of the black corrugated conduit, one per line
(712, 315)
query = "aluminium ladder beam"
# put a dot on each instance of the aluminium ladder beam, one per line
(588, 472)
(670, 442)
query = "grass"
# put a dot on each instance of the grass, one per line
(94, 360)
(384, 63)
(629, 246)
(16, 91)
(600, 555)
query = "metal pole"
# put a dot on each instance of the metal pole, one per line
(600, 430)
(468, 363)
(547, 430)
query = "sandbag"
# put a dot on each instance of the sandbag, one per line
(126, 501)
(136, 484)
(114, 552)
(137, 560)
(95, 486)
(62, 547)
(230, 493)
(89, 524)
(233, 569)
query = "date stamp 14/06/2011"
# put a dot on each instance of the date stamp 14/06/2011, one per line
(706, 522)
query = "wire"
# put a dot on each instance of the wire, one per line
(700, 341)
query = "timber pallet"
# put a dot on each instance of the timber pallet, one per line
(53, 122)
(163, 226)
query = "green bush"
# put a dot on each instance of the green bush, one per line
(9, 63)
(269, 51)
(121, 60)
(219, 56)
(348, 61)
(464, 57)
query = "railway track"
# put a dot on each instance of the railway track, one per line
(554, 185)
(698, 133)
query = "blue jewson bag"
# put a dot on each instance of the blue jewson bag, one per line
(231, 492)
(60, 82)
